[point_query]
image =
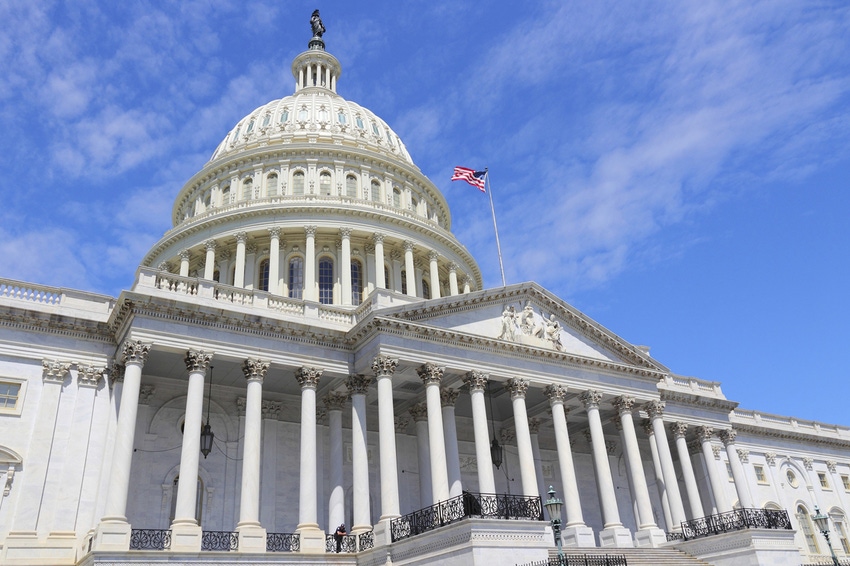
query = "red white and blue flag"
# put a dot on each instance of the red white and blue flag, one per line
(471, 176)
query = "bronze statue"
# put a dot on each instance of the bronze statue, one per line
(316, 24)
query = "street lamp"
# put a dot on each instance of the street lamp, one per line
(822, 524)
(553, 506)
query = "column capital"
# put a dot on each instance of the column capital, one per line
(271, 409)
(618, 424)
(433, 255)
(255, 369)
(185, 255)
(744, 456)
(430, 373)
(335, 401)
(453, 267)
(241, 237)
(555, 393)
(395, 255)
(164, 266)
(310, 231)
(384, 366)
(89, 376)
(358, 384)
(224, 254)
(54, 371)
(401, 423)
(830, 465)
(679, 429)
(534, 425)
(590, 398)
(419, 412)
(146, 393)
(369, 248)
(210, 245)
(704, 433)
(727, 436)
(517, 387)
(507, 434)
(770, 458)
(448, 396)
(407, 246)
(308, 377)
(198, 360)
(654, 408)
(647, 427)
(345, 233)
(378, 238)
(807, 462)
(240, 406)
(135, 352)
(116, 373)
(624, 403)
(274, 232)
(476, 380)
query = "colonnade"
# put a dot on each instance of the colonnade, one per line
(440, 475)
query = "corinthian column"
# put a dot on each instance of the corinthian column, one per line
(209, 260)
(575, 532)
(613, 533)
(274, 261)
(431, 375)
(239, 274)
(185, 530)
(679, 431)
(310, 265)
(517, 388)
(453, 288)
(434, 272)
(185, 257)
(252, 536)
(419, 412)
(447, 398)
(655, 410)
(345, 268)
(410, 275)
(335, 403)
(728, 439)
(380, 280)
(659, 473)
(357, 386)
(384, 367)
(476, 382)
(721, 502)
(312, 538)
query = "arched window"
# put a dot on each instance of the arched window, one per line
(296, 278)
(284, 116)
(199, 499)
(326, 281)
(217, 276)
(325, 184)
(351, 186)
(840, 528)
(376, 191)
(404, 281)
(807, 529)
(356, 282)
(386, 277)
(207, 200)
(414, 205)
(298, 183)
(225, 196)
(263, 276)
(396, 197)
(247, 188)
(426, 290)
(271, 185)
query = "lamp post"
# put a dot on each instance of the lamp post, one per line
(822, 524)
(553, 506)
(206, 432)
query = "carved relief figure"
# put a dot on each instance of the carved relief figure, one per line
(553, 332)
(508, 323)
(526, 319)
(316, 24)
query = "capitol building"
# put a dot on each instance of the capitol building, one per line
(310, 346)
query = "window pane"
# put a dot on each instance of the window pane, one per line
(351, 186)
(296, 277)
(326, 281)
(356, 283)
(264, 275)
(298, 183)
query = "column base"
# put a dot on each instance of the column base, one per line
(578, 536)
(186, 537)
(616, 537)
(112, 535)
(652, 537)
(383, 535)
(252, 538)
(312, 539)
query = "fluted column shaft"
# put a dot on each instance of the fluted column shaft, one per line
(453, 288)
(419, 412)
(380, 280)
(345, 268)
(435, 275)
(517, 388)
(239, 273)
(308, 379)
(209, 260)
(431, 376)
(476, 381)
(671, 484)
(274, 261)
(721, 502)
(694, 501)
(741, 486)
(659, 475)
(410, 276)
(572, 500)
(384, 366)
(357, 385)
(249, 504)
(624, 405)
(604, 481)
(310, 264)
(184, 263)
(336, 503)
(448, 397)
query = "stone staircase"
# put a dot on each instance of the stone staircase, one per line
(642, 556)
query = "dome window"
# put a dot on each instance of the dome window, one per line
(341, 118)
(356, 282)
(296, 277)
(359, 122)
(326, 281)
(302, 114)
(235, 137)
(325, 184)
(271, 185)
(376, 131)
(225, 196)
(396, 197)
(284, 116)
(351, 186)
(250, 127)
(266, 119)
(264, 275)
(426, 290)
(376, 191)
(247, 188)
(324, 115)
(390, 139)
(414, 205)
(298, 183)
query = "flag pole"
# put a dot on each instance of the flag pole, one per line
(495, 226)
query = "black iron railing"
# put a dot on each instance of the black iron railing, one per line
(736, 520)
(366, 541)
(675, 536)
(149, 539)
(583, 560)
(347, 543)
(283, 542)
(219, 540)
(466, 505)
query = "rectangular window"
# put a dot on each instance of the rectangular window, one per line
(760, 477)
(729, 471)
(11, 396)
(846, 481)
(824, 483)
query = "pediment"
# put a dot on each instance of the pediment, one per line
(527, 315)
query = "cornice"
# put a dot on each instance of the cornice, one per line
(693, 399)
(61, 325)
(796, 436)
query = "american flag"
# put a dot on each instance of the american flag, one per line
(474, 178)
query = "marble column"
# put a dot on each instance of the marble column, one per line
(659, 474)
(185, 530)
(434, 272)
(431, 375)
(252, 535)
(721, 502)
(362, 516)
(655, 410)
(239, 273)
(384, 367)
(312, 538)
(209, 260)
(419, 412)
(613, 532)
(113, 531)
(517, 388)
(534, 430)
(380, 280)
(274, 261)
(467, 285)
(680, 431)
(575, 533)
(648, 532)
(741, 487)
(448, 397)
(310, 285)
(476, 382)
(453, 288)
(335, 403)
(185, 257)
(345, 264)
(410, 275)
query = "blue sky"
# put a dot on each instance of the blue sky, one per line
(676, 170)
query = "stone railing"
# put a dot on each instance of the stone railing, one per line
(36, 296)
(736, 520)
